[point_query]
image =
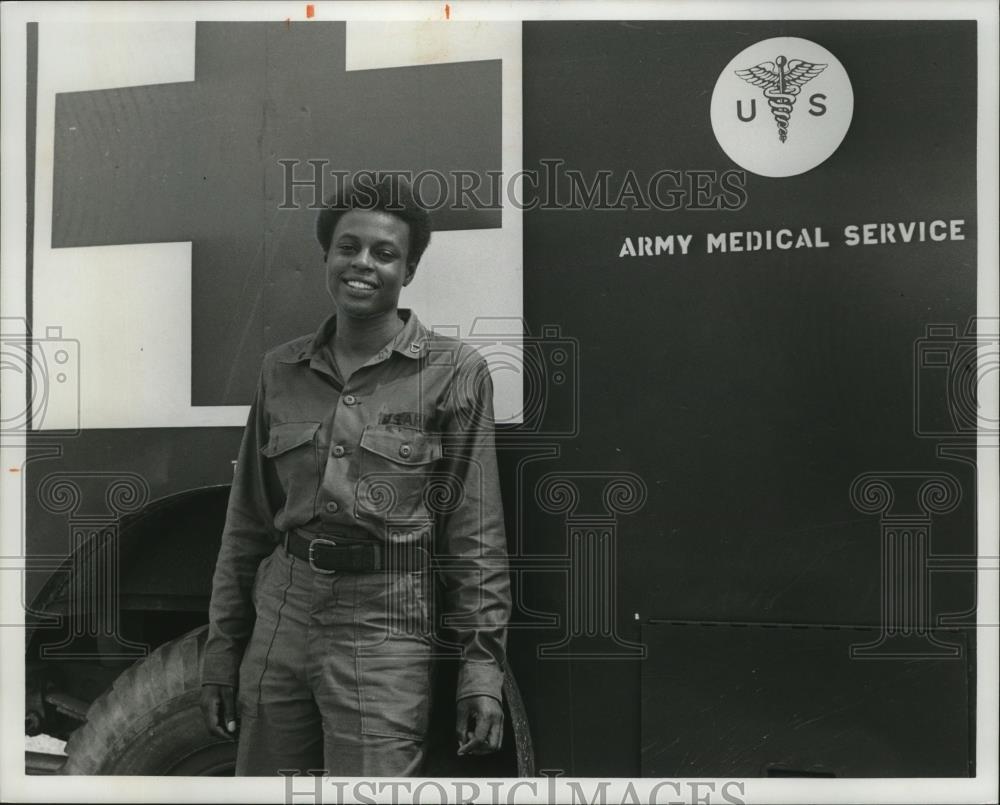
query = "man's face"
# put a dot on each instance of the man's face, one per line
(367, 265)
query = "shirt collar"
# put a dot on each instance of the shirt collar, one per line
(410, 341)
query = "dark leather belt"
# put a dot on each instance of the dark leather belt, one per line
(336, 553)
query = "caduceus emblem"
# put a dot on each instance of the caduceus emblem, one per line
(781, 80)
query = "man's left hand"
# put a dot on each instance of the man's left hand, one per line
(479, 726)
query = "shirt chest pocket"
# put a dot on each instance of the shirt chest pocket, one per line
(292, 449)
(395, 463)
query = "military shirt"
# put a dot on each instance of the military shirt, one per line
(402, 449)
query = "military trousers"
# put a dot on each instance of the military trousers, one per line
(337, 676)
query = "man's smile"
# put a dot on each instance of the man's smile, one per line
(360, 284)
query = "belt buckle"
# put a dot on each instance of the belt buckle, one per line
(312, 562)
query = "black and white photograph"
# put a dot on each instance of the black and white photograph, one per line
(500, 402)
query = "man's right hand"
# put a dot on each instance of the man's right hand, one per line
(218, 707)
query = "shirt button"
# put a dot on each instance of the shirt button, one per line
(405, 450)
(350, 399)
(332, 507)
(339, 451)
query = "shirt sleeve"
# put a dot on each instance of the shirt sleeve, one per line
(248, 537)
(471, 545)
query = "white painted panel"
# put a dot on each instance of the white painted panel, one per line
(465, 275)
(129, 307)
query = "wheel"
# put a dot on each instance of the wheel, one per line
(149, 721)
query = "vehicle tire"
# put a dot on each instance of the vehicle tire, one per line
(149, 722)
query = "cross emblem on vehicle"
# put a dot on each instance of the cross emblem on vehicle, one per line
(199, 161)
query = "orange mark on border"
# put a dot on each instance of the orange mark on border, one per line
(14, 469)
(310, 11)
(447, 11)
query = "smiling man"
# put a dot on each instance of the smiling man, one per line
(368, 450)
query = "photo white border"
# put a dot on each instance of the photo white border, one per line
(15, 786)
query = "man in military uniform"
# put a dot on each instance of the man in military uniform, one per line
(368, 450)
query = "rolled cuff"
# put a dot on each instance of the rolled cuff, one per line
(220, 669)
(479, 678)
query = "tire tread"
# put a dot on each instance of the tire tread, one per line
(130, 709)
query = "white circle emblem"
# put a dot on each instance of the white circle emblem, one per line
(782, 106)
